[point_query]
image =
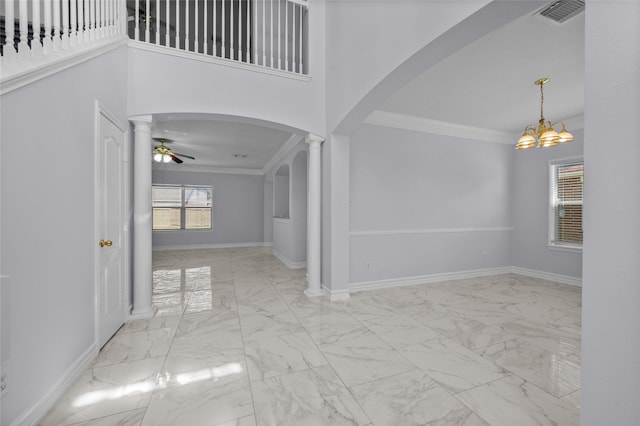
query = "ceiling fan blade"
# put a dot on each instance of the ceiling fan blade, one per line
(176, 159)
(184, 155)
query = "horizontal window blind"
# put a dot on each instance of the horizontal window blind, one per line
(567, 184)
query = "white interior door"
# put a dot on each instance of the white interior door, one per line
(111, 301)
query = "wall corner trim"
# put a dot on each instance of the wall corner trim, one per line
(336, 295)
(209, 246)
(549, 276)
(290, 264)
(428, 279)
(36, 412)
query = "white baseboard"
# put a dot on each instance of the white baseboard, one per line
(336, 295)
(267, 244)
(289, 263)
(34, 414)
(426, 279)
(207, 246)
(563, 279)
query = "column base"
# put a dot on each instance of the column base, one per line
(143, 314)
(313, 293)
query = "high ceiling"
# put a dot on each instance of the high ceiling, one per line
(487, 85)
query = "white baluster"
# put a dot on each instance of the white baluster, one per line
(240, 30)
(294, 38)
(147, 28)
(86, 21)
(300, 42)
(65, 25)
(36, 45)
(73, 35)
(279, 39)
(186, 26)
(157, 21)
(255, 33)
(47, 44)
(272, 60)
(248, 44)
(177, 24)
(57, 43)
(286, 35)
(92, 20)
(205, 36)
(103, 18)
(9, 55)
(196, 34)
(136, 30)
(214, 24)
(232, 19)
(108, 18)
(24, 51)
(223, 35)
(167, 22)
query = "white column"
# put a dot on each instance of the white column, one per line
(313, 217)
(142, 218)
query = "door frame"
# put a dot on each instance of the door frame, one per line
(99, 111)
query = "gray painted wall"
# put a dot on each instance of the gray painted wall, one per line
(289, 237)
(404, 180)
(611, 283)
(530, 200)
(237, 210)
(47, 223)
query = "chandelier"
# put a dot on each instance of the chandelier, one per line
(545, 135)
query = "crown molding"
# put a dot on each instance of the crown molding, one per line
(205, 169)
(426, 125)
(282, 152)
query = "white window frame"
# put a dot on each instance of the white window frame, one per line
(183, 207)
(551, 243)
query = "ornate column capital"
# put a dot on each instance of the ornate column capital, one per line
(314, 141)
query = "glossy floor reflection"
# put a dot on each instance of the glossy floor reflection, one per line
(236, 342)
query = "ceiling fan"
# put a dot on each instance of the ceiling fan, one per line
(162, 153)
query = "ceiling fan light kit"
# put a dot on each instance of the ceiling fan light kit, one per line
(545, 135)
(162, 154)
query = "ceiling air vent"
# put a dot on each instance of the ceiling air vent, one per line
(562, 10)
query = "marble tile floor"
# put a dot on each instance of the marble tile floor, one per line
(236, 342)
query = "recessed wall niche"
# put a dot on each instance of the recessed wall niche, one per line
(281, 192)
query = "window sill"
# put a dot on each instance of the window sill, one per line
(280, 219)
(570, 249)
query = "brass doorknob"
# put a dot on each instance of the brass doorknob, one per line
(107, 243)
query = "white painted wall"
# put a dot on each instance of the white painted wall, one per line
(237, 210)
(373, 49)
(160, 83)
(289, 236)
(47, 245)
(367, 40)
(530, 201)
(611, 271)
(424, 204)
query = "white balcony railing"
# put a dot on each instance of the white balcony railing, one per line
(266, 33)
(38, 37)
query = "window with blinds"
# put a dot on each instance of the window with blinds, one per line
(566, 188)
(182, 207)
